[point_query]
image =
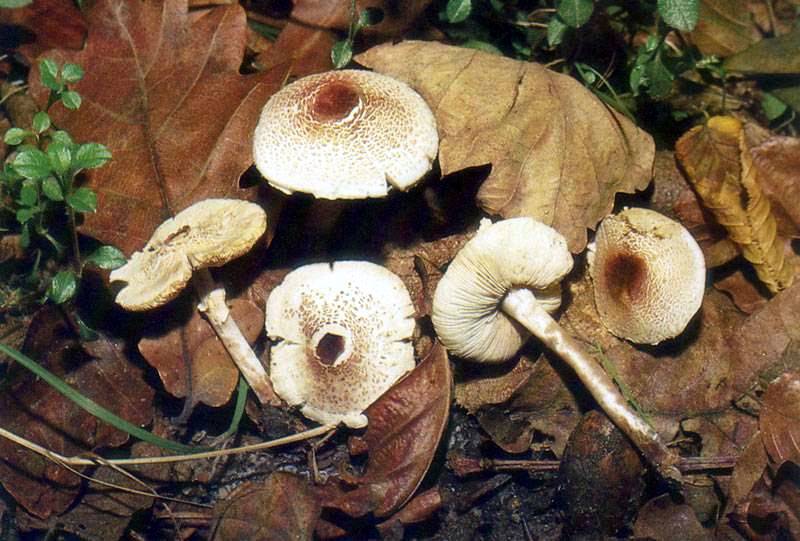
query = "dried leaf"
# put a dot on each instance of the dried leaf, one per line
(189, 358)
(558, 153)
(778, 162)
(745, 294)
(165, 95)
(780, 419)
(307, 49)
(771, 55)
(724, 27)
(749, 468)
(34, 410)
(335, 14)
(720, 167)
(405, 427)
(281, 507)
(56, 23)
(661, 519)
(772, 509)
(478, 386)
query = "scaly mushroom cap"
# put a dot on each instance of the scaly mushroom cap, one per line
(345, 135)
(514, 253)
(207, 234)
(343, 334)
(649, 275)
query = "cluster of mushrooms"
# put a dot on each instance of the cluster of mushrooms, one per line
(341, 332)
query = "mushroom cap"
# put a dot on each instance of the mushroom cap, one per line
(207, 234)
(649, 275)
(345, 135)
(343, 333)
(514, 253)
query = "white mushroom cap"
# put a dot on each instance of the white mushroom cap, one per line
(514, 253)
(207, 234)
(345, 134)
(343, 334)
(649, 275)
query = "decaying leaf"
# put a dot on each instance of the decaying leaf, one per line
(164, 93)
(749, 468)
(723, 27)
(34, 410)
(305, 48)
(56, 23)
(190, 360)
(778, 163)
(281, 507)
(558, 153)
(335, 14)
(780, 419)
(405, 427)
(772, 508)
(772, 55)
(662, 518)
(720, 167)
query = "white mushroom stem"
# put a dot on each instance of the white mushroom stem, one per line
(521, 304)
(213, 306)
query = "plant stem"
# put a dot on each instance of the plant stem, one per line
(76, 249)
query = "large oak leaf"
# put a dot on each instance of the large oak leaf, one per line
(163, 92)
(558, 153)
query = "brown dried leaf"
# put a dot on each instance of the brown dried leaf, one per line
(190, 359)
(749, 468)
(165, 95)
(34, 410)
(724, 27)
(55, 23)
(478, 386)
(778, 164)
(335, 14)
(306, 49)
(405, 427)
(600, 477)
(558, 153)
(720, 167)
(281, 507)
(661, 519)
(771, 510)
(780, 419)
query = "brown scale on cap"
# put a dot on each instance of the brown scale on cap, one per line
(341, 342)
(649, 276)
(335, 100)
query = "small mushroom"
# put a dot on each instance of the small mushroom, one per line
(343, 335)
(345, 134)
(489, 299)
(207, 234)
(649, 275)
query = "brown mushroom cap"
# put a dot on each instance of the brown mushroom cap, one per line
(345, 134)
(207, 234)
(343, 334)
(649, 275)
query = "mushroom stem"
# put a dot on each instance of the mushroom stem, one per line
(521, 304)
(213, 306)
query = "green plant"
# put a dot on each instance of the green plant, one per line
(342, 51)
(41, 199)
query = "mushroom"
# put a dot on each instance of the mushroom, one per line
(502, 286)
(649, 275)
(343, 335)
(345, 134)
(207, 234)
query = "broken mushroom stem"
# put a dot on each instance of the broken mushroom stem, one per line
(214, 307)
(521, 304)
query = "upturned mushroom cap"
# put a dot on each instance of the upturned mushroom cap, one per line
(345, 134)
(343, 333)
(207, 234)
(649, 275)
(514, 253)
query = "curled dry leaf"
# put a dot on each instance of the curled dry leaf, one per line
(780, 419)
(34, 410)
(283, 506)
(601, 477)
(404, 430)
(778, 162)
(558, 153)
(718, 162)
(191, 361)
(171, 106)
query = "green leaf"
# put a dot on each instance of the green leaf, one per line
(680, 14)
(575, 13)
(6, 4)
(63, 287)
(71, 99)
(773, 107)
(341, 53)
(556, 29)
(457, 11)
(32, 163)
(369, 17)
(60, 157)
(659, 78)
(48, 73)
(51, 188)
(28, 193)
(25, 214)
(481, 46)
(71, 73)
(91, 155)
(86, 333)
(41, 121)
(60, 136)
(15, 136)
(83, 200)
(106, 257)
